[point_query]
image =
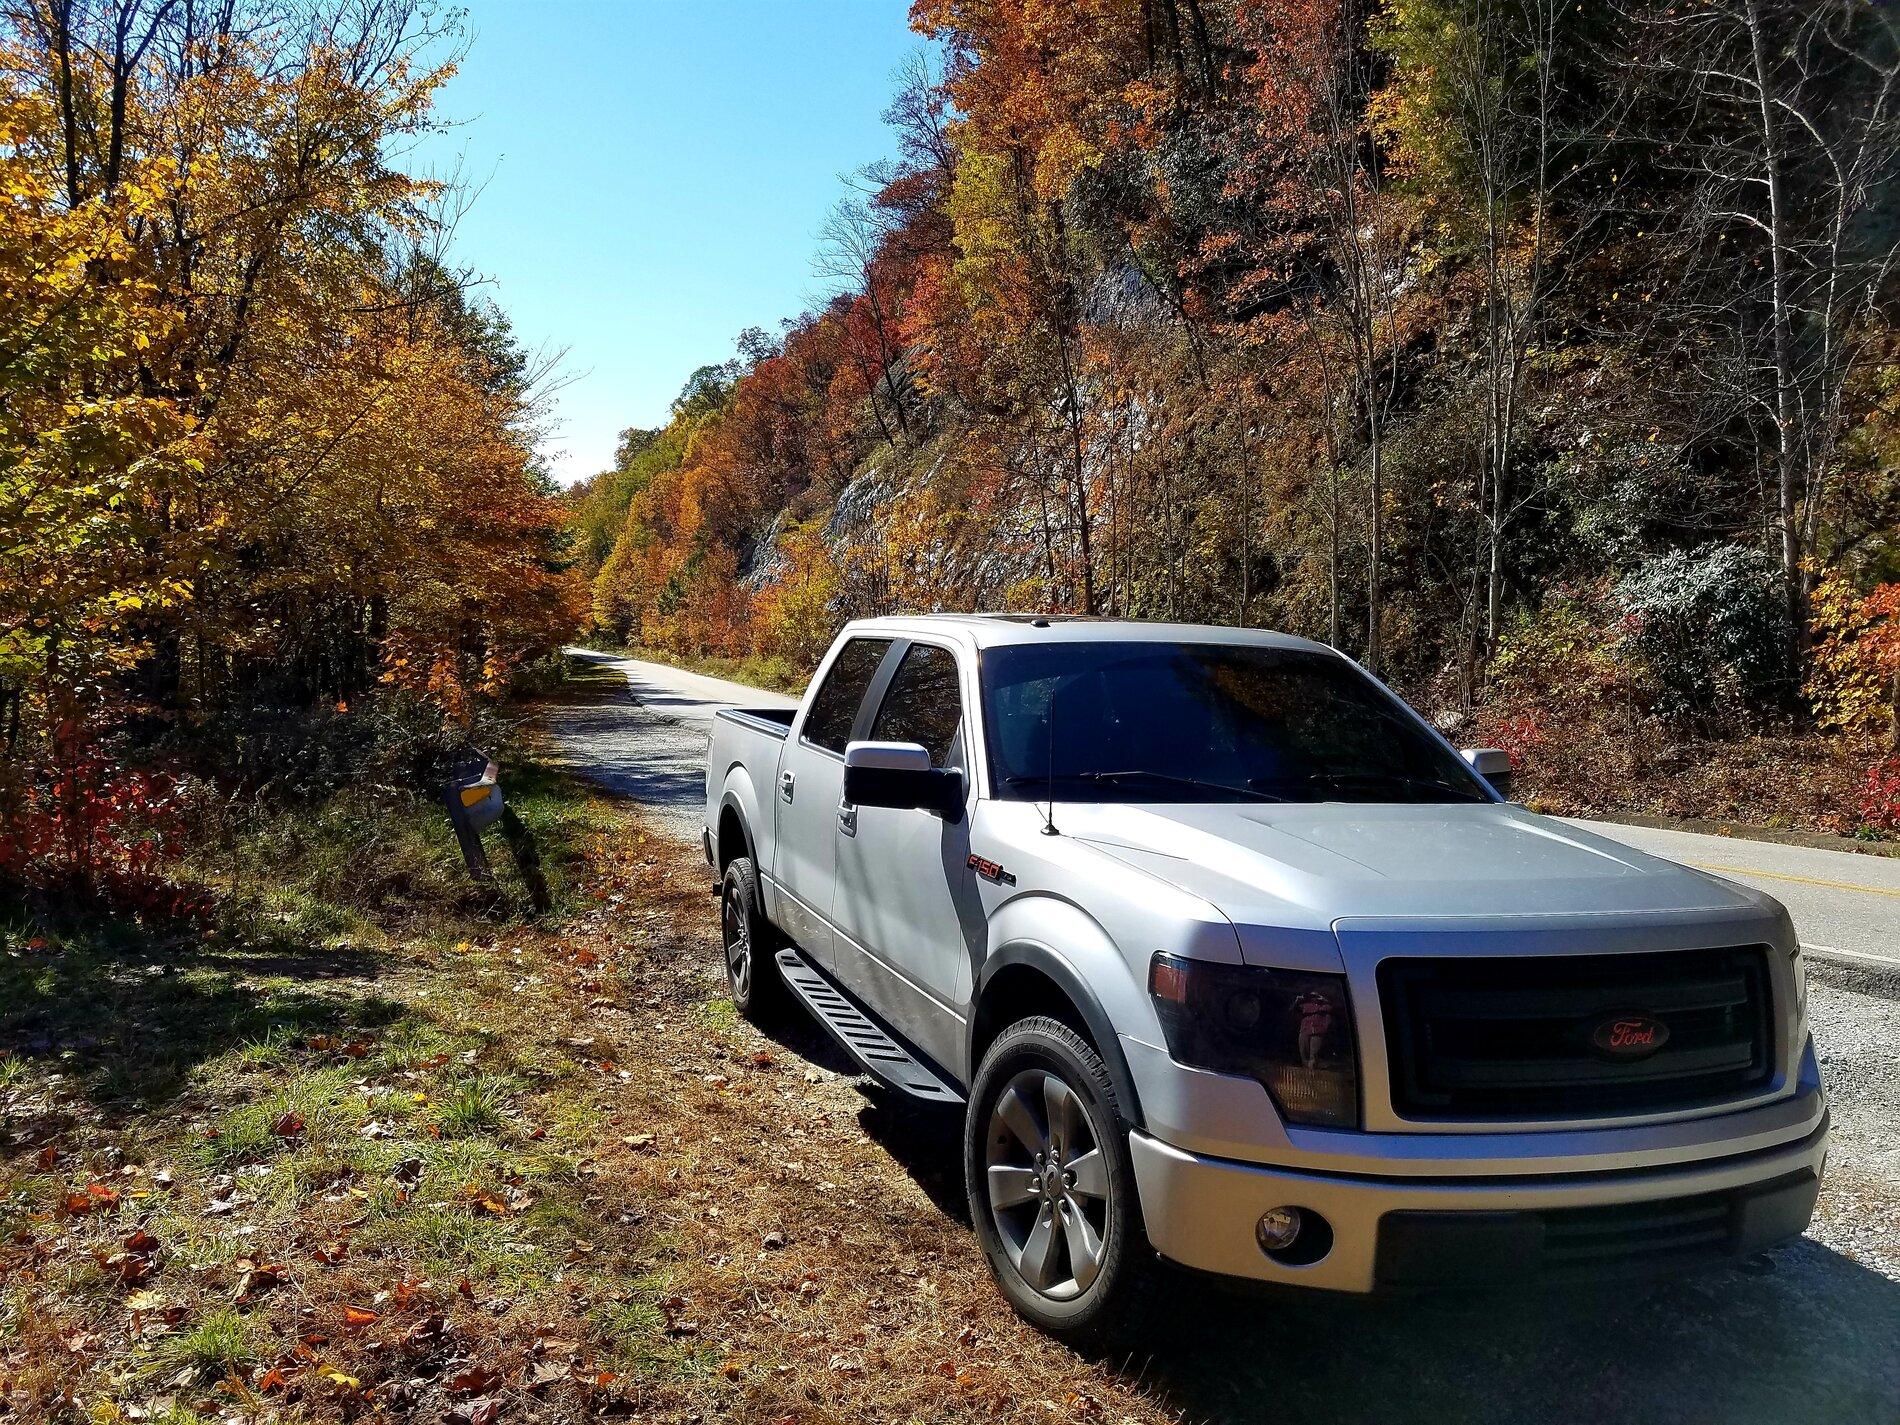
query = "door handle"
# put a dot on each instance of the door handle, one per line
(848, 818)
(785, 782)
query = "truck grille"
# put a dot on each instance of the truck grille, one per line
(1474, 1038)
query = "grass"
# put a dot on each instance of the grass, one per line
(472, 1106)
(340, 1090)
(222, 1342)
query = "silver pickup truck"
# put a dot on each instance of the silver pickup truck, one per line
(1228, 959)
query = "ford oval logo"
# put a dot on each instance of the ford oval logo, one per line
(1628, 1036)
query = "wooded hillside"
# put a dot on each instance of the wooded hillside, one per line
(1538, 355)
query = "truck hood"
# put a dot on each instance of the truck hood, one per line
(1310, 866)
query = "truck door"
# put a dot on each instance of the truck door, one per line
(810, 788)
(907, 913)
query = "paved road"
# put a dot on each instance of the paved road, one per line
(1846, 906)
(653, 749)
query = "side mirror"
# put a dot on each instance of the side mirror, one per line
(1494, 765)
(899, 774)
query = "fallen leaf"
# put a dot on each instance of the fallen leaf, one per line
(360, 1316)
(288, 1126)
(476, 1380)
(547, 1373)
(476, 1412)
(426, 1332)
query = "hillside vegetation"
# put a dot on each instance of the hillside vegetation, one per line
(1538, 355)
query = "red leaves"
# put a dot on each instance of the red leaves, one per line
(288, 1125)
(475, 1380)
(97, 1197)
(426, 1333)
(256, 1278)
(331, 1253)
(134, 1262)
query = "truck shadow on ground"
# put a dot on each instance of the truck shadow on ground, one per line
(1799, 1334)
(128, 1022)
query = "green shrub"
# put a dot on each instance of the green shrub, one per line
(1712, 630)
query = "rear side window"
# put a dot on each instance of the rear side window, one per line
(923, 703)
(834, 707)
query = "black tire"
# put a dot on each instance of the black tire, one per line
(750, 945)
(1056, 1288)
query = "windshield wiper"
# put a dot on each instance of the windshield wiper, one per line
(1135, 773)
(1464, 794)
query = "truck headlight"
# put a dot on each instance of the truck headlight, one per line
(1288, 1029)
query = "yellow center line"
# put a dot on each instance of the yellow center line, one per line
(1803, 880)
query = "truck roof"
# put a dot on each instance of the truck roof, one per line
(988, 630)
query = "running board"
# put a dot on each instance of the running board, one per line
(860, 1036)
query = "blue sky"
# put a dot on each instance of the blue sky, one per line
(655, 177)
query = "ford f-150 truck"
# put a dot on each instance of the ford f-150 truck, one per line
(1231, 961)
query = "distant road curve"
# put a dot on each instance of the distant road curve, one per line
(1846, 907)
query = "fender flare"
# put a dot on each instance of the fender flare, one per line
(1101, 1029)
(733, 799)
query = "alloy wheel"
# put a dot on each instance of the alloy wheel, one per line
(1048, 1184)
(736, 930)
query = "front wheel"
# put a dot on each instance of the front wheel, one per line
(751, 947)
(1051, 1185)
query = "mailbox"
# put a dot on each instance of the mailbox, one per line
(475, 794)
(474, 801)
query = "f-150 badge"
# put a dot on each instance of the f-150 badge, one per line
(990, 870)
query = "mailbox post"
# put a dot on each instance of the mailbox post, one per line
(474, 802)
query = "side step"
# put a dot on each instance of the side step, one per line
(860, 1036)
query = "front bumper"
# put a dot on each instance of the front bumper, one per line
(1408, 1233)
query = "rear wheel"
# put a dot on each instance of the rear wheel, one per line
(1051, 1185)
(751, 947)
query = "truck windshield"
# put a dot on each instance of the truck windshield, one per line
(1204, 722)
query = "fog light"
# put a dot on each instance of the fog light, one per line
(1277, 1228)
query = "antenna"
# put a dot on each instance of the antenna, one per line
(1049, 767)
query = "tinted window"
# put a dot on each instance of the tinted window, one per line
(1157, 722)
(923, 703)
(834, 707)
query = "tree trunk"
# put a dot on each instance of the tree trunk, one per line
(1787, 446)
